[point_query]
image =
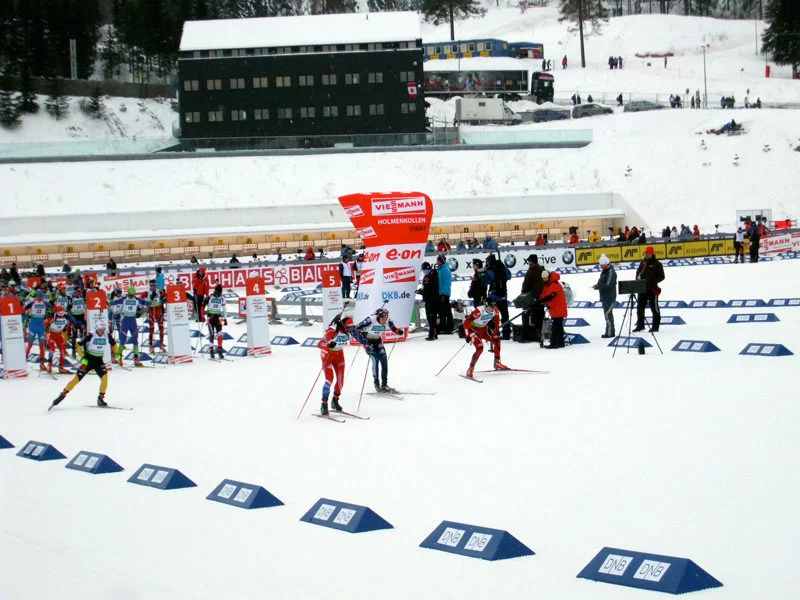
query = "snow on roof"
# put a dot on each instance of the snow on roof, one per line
(303, 30)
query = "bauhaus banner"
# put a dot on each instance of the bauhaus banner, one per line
(394, 228)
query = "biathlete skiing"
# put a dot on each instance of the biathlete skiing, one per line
(369, 333)
(216, 312)
(483, 323)
(332, 355)
(91, 349)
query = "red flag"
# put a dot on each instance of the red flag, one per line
(412, 89)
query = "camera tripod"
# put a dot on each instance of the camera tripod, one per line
(628, 316)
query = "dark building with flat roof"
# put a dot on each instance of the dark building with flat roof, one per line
(301, 76)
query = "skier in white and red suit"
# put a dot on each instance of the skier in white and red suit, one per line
(483, 324)
(331, 348)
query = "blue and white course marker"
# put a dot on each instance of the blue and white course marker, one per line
(344, 516)
(475, 541)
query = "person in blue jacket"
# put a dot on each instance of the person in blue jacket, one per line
(445, 285)
(498, 276)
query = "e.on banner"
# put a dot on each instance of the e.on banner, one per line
(394, 228)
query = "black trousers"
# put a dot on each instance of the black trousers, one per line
(502, 306)
(445, 315)
(346, 286)
(642, 301)
(532, 320)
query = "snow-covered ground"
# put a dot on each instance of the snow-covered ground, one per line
(688, 455)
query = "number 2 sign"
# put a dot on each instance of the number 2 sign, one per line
(96, 301)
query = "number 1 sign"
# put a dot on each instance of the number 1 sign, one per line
(179, 348)
(257, 318)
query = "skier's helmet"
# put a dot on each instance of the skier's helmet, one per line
(100, 328)
(218, 289)
(131, 291)
(59, 310)
(490, 303)
(347, 323)
(381, 313)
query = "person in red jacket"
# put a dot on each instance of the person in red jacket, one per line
(331, 348)
(553, 295)
(483, 323)
(200, 289)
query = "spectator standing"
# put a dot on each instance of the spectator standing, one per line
(443, 246)
(200, 290)
(478, 284)
(607, 287)
(234, 261)
(755, 241)
(13, 274)
(553, 295)
(346, 273)
(160, 284)
(310, 255)
(111, 266)
(499, 275)
(533, 317)
(652, 272)
(445, 276)
(738, 245)
(430, 296)
(564, 62)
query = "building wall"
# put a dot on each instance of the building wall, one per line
(241, 82)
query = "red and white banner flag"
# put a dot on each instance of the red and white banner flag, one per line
(412, 89)
(394, 227)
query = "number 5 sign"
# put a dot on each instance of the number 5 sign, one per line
(258, 343)
(332, 302)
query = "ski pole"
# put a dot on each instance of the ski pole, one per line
(363, 383)
(451, 359)
(302, 408)
(352, 362)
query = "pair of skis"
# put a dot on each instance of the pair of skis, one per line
(509, 370)
(338, 416)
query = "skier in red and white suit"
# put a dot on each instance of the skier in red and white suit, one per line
(483, 324)
(332, 354)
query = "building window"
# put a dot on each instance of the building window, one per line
(237, 83)
(283, 81)
(192, 117)
(191, 85)
(329, 79)
(196, 54)
(488, 45)
(307, 112)
(305, 80)
(376, 109)
(284, 113)
(408, 107)
(238, 115)
(471, 46)
(215, 116)
(330, 111)
(261, 114)
(214, 84)
(353, 110)
(374, 77)
(406, 76)
(448, 49)
(260, 82)
(351, 78)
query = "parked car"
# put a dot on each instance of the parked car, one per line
(640, 105)
(541, 115)
(590, 109)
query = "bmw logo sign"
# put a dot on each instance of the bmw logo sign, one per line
(510, 260)
(452, 264)
(568, 257)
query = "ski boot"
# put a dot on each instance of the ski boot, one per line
(101, 399)
(335, 404)
(470, 372)
(498, 366)
(377, 385)
(324, 408)
(63, 370)
(211, 351)
(136, 361)
(152, 349)
(58, 399)
(162, 347)
(221, 352)
(385, 389)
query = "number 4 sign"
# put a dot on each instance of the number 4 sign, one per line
(258, 343)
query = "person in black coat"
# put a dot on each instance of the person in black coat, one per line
(430, 295)
(533, 317)
(652, 271)
(755, 241)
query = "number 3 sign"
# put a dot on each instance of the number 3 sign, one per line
(176, 294)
